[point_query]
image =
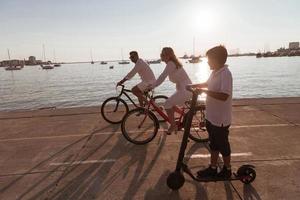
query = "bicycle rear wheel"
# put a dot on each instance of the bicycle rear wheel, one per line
(114, 109)
(140, 126)
(160, 101)
(198, 131)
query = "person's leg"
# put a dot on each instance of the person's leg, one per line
(226, 160)
(224, 145)
(214, 158)
(139, 94)
(211, 171)
(170, 103)
(170, 113)
(225, 150)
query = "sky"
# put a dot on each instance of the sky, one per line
(77, 29)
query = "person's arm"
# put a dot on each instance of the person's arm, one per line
(129, 75)
(200, 85)
(122, 81)
(162, 76)
(217, 95)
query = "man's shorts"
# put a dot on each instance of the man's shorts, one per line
(143, 86)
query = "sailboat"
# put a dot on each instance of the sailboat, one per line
(12, 67)
(47, 65)
(194, 59)
(92, 62)
(55, 63)
(123, 62)
(158, 61)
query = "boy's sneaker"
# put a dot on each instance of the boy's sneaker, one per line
(224, 173)
(207, 173)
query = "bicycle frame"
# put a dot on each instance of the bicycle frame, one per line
(123, 91)
(180, 111)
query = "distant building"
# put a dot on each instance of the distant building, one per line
(32, 60)
(6, 63)
(294, 45)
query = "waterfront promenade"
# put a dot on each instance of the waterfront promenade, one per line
(37, 148)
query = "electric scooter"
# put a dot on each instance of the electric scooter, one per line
(175, 180)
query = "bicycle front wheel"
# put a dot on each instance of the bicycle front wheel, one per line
(114, 109)
(198, 132)
(140, 126)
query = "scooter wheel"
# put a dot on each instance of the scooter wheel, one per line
(247, 174)
(175, 180)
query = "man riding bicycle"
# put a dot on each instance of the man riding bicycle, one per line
(145, 73)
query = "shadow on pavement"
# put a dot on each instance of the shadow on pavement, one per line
(250, 193)
(96, 179)
(53, 171)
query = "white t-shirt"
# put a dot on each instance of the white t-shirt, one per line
(177, 76)
(219, 112)
(143, 70)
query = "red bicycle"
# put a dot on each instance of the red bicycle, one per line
(140, 125)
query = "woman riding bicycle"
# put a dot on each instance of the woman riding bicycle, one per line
(177, 75)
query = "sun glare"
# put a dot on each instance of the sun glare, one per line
(204, 20)
(203, 71)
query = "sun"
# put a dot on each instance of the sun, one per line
(204, 21)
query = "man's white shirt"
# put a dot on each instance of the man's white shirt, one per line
(143, 70)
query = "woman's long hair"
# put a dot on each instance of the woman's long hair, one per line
(169, 52)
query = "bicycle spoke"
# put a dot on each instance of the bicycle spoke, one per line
(113, 110)
(139, 126)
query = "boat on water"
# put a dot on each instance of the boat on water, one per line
(103, 63)
(92, 60)
(9, 68)
(111, 67)
(158, 61)
(47, 66)
(123, 62)
(195, 60)
(12, 66)
(56, 64)
(184, 57)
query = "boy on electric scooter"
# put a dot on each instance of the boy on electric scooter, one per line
(218, 112)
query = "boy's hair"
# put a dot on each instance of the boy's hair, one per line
(218, 53)
(134, 53)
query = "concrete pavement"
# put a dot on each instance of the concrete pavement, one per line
(74, 154)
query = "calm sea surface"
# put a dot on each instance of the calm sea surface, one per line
(86, 84)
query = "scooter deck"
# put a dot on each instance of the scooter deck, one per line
(233, 177)
(216, 179)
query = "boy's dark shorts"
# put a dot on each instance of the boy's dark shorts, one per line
(218, 138)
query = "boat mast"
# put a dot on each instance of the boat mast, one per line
(44, 54)
(54, 55)
(91, 56)
(194, 47)
(8, 54)
(122, 54)
(8, 57)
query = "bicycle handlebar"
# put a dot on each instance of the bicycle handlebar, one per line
(193, 89)
(120, 86)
